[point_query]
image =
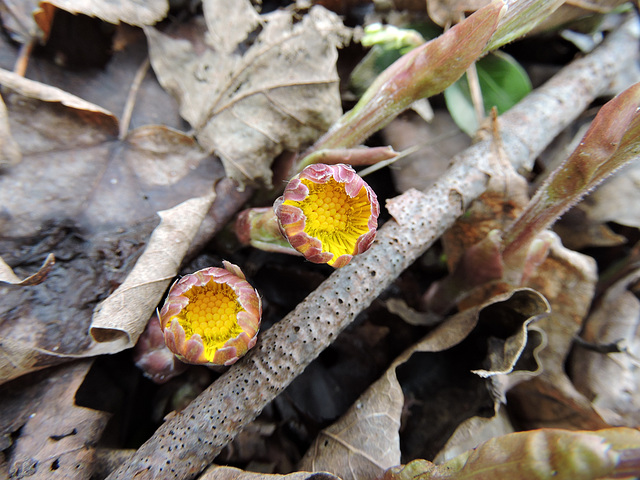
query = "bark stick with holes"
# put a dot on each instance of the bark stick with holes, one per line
(188, 442)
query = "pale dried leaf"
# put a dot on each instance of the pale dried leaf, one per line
(31, 89)
(122, 317)
(133, 12)
(503, 353)
(58, 439)
(281, 94)
(399, 307)
(365, 441)
(473, 432)
(7, 275)
(219, 14)
(612, 380)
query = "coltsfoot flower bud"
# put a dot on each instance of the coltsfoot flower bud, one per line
(328, 213)
(212, 316)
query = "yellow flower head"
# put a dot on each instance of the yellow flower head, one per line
(328, 213)
(211, 316)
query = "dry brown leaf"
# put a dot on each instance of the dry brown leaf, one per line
(281, 94)
(579, 232)
(365, 442)
(567, 279)
(473, 432)
(7, 275)
(229, 473)
(58, 440)
(612, 380)
(366, 438)
(133, 12)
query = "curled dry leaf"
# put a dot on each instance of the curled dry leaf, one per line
(120, 319)
(7, 275)
(59, 436)
(126, 11)
(611, 380)
(281, 94)
(490, 336)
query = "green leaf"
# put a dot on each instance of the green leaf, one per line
(503, 83)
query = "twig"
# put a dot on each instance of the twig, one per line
(131, 98)
(24, 55)
(188, 442)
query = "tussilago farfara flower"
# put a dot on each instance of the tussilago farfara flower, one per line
(211, 316)
(328, 213)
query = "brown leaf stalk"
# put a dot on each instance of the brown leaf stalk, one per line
(185, 444)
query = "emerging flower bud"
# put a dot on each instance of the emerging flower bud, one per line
(328, 213)
(211, 316)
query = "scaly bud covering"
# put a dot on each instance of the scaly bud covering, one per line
(328, 213)
(211, 316)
